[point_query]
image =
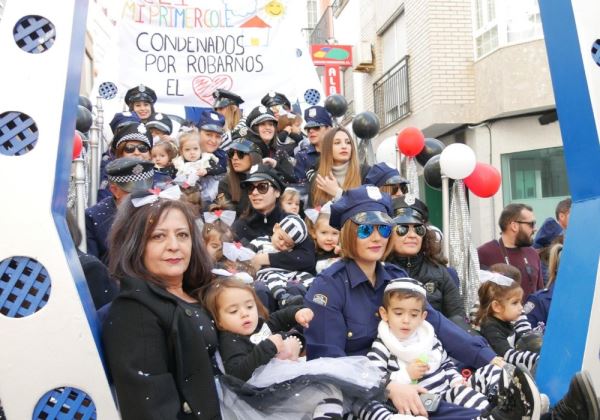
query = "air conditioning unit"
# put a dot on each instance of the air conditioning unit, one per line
(363, 57)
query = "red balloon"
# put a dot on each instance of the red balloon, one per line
(411, 141)
(484, 181)
(77, 145)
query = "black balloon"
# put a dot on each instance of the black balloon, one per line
(433, 173)
(365, 125)
(84, 119)
(433, 147)
(336, 105)
(85, 102)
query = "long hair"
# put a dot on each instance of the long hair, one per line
(131, 231)
(553, 263)
(232, 115)
(352, 179)
(219, 285)
(489, 292)
(235, 188)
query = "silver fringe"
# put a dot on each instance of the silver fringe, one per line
(463, 256)
(412, 176)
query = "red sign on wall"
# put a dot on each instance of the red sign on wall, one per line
(332, 80)
(331, 55)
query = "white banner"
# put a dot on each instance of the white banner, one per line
(185, 49)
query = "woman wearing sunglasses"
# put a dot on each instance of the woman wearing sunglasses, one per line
(416, 249)
(345, 298)
(262, 186)
(241, 156)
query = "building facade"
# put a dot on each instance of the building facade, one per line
(468, 71)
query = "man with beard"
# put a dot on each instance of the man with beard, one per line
(517, 225)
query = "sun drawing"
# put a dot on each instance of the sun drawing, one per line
(274, 8)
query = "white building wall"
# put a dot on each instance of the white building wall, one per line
(507, 136)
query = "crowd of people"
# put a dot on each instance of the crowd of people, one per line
(243, 268)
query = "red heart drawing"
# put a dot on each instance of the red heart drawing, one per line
(204, 86)
(218, 213)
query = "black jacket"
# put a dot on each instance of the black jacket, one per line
(284, 163)
(442, 292)
(257, 224)
(500, 334)
(157, 357)
(241, 357)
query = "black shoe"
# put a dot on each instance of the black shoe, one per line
(290, 300)
(580, 401)
(520, 399)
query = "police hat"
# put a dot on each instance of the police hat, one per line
(140, 93)
(245, 145)
(260, 114)
(224, 98)
(317, 116)
(276, 98)
(262, 172)
(409, 209)
(211, 121)
(364, 205)
(130, 173)
(382, 174)
(137, 132)
(121, 119)
(160, 122)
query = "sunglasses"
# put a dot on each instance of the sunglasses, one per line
(395, 187)
(240, 154)
(402, 230)
(262, 188)
(131, 148)
(364, 231)
(531, 224)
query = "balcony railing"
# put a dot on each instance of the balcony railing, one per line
(324, 28)
(391, 95)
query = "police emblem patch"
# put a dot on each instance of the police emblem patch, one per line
(374, 193)
(214, 116)
(529, 306)
(253, 169)
(158, 116)
(409, 199)
(141, 129)
(262, 109)
(430, 287)
(142, 88)
(271, 94)
(137, 169)
(312, 112)
(320, 299)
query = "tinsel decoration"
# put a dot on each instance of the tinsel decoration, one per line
(412, 176)
(366, 155)
(463, 256)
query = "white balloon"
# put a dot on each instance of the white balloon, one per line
(457, 161)
(386, 152)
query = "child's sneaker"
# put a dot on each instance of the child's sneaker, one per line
(520, 399)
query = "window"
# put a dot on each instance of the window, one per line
(534, 174)
(497, 23)
(393, 40)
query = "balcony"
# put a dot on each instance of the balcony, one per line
(391, 95)
(324, 28)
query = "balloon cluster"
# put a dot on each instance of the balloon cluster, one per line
(456, 161)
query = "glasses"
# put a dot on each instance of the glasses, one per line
(402, 230)
(403, 188)
(364, 231)
(240, 154)
(522, 222)
(262, 188)
(131, 148)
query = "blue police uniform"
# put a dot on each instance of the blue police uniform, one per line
(537, 306)
(213, 121)
(98, 220)
(308, 159)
